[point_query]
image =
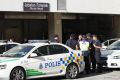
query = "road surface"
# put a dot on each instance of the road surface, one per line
(106, 75)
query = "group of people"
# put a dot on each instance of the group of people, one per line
(90, 46)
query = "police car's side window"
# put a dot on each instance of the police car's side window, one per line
(41, 51)
(57, 49)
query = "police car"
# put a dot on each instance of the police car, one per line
(36, 60)
(6, 45)
(113, 58)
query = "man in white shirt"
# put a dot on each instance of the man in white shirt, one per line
(84, 47)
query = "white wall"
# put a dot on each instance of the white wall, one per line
(94, 6)
(73, 6)
(17, 5)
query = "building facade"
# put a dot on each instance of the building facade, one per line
(42, 19)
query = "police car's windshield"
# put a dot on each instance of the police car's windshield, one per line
(114, 46)
(18, 51)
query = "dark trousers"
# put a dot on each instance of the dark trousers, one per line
(99, 67)
(98, 61)
(87, 64)
(92, 60)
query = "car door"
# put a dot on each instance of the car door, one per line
(58, 58)
(36, 66)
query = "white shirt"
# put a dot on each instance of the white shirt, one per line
(84, 45)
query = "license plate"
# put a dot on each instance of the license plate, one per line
(113, 64)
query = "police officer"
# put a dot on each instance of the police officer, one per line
(79, 39)
(72, 42)
(91, 52)
(84, 47)
(97, 46)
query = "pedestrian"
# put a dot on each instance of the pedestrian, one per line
(56, 38)
(79, 39)
(25, 40)
(97, 45)
(91, 52)
(11, 40)
(72, 42)
(84, 47)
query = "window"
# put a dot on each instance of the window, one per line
(57, 49)
(2, 49)
(9, 46)
(111, 41)
(114, 46)
(41, 51)
(18, 51)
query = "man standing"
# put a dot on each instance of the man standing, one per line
(97, 46)
(91, 52)
(79, 39)
(84, 47)
(56, 38)
(72, 42)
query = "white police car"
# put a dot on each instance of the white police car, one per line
(113, 58)
(35, 60)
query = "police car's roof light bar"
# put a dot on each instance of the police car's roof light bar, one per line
(38, 41)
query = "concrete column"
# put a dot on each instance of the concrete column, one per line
(54, 25)
(116, 26)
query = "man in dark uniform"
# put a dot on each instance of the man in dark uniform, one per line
(91, 52)
(72, 42)
(97, 45)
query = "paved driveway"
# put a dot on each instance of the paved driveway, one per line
(106, 75)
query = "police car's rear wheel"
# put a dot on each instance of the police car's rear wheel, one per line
(72, 71)
(17, 74)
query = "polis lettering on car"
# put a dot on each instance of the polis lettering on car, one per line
(52, 64)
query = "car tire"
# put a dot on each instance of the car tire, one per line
(72, 71)
(17, 74)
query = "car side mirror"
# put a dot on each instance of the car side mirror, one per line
(33, 55)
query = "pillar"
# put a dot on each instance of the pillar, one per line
(54, 25)
(116, 26)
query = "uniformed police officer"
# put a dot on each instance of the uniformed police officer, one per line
(79, 39)
(72, 42)
(91, 52)
(84, 47)
(97, 46)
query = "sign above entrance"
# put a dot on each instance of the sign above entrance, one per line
(34, 6)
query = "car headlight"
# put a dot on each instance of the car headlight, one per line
(3, 67)
(116, 57)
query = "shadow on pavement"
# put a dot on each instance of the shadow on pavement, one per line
(105, 71)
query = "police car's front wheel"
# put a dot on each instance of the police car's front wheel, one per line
(17, 74)
(72, 71)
